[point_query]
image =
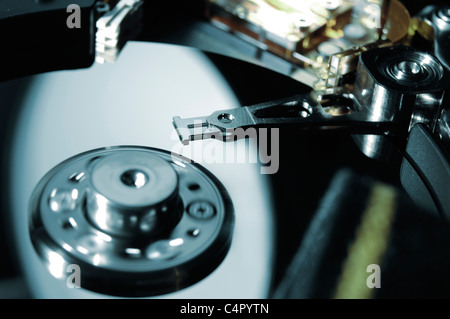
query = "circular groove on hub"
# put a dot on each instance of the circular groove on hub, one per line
(127, 224)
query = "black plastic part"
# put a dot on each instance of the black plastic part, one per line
(425, 171)
(332, 226)
(413, 265)
(35, 37)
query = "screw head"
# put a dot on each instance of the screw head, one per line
(201, 210)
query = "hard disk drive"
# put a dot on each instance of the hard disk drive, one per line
(251, 149)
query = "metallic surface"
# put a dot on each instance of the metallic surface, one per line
(117, 26)
(441, 24)
(122, 112)
(443, 128)
(307, 33)
(131, 241)
(132, 193)
(395, 88)
(301, 111)
(398, 84)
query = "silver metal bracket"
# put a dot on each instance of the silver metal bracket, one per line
(301, 111)
(395, 88)
(117, 26)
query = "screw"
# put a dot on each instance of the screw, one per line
(330, 5)
(201, 210)
(63, 199)
(226, 118)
